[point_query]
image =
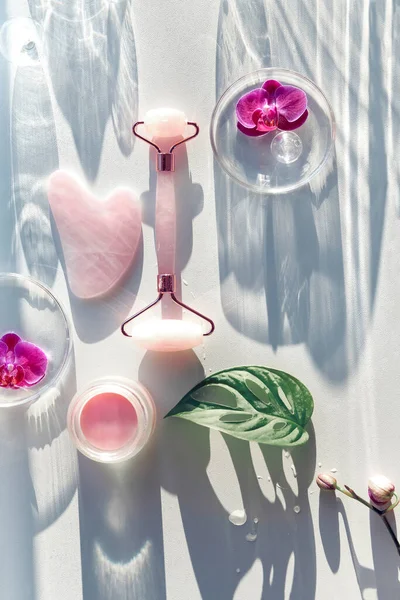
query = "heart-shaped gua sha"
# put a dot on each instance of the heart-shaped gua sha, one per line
(99, 238)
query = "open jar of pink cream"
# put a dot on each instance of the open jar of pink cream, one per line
(111, 420)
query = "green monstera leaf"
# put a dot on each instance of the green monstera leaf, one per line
(251, 403)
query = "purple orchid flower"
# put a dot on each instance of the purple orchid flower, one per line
(273, 106)
(22, 364)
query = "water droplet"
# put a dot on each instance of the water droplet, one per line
(269, 478)
(238, 570)
(294, 470)
(252, 535)
(184, 282)
(287, 454)
(320, 465)
(259, 477)
(210, 370)
(29, 46)
(238, 517)
(333, 470)
(312, 491)
(297, 509)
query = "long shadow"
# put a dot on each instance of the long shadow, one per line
(52, 452)
(34, 156)
(365, 576)
(7, 260)
(34, 446)
(34, 450)
(300, 539)
(90, 49)
(17, 568)
(280, 530)
(296, 240)
(17, 572)
(168, 376)
(286, 271)
(386, 558)
(91, 58)
(378, 172)
(384, 577)
(122, 548)
(394, 108)
(122, 545)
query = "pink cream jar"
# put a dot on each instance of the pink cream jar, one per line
(111, 420)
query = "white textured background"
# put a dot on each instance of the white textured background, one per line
(306, 283)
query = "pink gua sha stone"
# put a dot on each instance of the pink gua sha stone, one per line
(166, 335)
(100, 239)
(108, 421)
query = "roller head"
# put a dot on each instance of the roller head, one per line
(165, 122)
(167, 335)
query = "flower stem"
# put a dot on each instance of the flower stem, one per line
(392, 533)
(394, 504)
(381, 513)
(344, 491)
(367, 504)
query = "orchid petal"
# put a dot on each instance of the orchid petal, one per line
(18, 375)
(250, 131)
(33, 360)
(285, 125)
(270, 86)
(11, 340)
(257, 114)
(248, 104)
(291, 102)
(3, 352)
(263, 127)
(259, 119)
(14, 378)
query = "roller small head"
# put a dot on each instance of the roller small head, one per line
(165, 122)
(167, 335)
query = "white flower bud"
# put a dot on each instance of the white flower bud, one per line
(326, 482)
(380, 491)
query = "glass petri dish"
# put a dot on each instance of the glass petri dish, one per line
(112, 419)
(278, 162)
(29, 309)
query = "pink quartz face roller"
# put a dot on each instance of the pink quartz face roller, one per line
(166, 335)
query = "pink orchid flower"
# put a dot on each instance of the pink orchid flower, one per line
(273, 106)
(22, 364)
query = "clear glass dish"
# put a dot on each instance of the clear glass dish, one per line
(29, 309)
(278, 162)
